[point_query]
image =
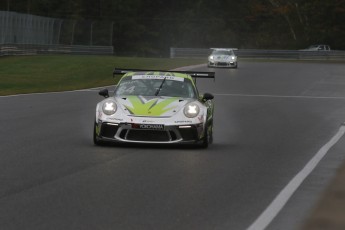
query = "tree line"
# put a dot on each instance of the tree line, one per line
(150, 27)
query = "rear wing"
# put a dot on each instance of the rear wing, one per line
(224, 48)
(193, 74)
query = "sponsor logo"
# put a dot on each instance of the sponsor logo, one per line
(148, 126)
(182, 122)
(115, 119)
(100, 114)
(161, 77)
(148, 121)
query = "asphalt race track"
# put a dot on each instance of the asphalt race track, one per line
(271, 119)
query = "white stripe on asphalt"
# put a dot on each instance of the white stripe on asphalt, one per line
(60, 92)
(274, 96)
(279, 202)
(216, 94)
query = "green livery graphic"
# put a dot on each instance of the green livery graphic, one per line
(152, 107)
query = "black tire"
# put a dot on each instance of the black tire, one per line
(210, 140)
(207, 139)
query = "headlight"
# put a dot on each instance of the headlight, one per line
(109, 107)
(191, 110)
(210, 57)
(233, 57)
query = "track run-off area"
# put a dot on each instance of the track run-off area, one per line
(278, 141)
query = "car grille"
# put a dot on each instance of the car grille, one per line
(222, 64)
(147, 135)
(188, 134)
(108, 131)
(112, 131)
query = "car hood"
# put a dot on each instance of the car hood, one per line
(152, 106)
(221, 57)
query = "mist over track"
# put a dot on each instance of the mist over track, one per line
(271, 119)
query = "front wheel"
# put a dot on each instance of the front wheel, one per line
(95, 140)
(208, 137)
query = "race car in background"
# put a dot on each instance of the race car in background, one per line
(318, 47)
(222, 57)
(155, 107)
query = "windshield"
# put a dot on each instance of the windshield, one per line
(145, 86)
(223, 52)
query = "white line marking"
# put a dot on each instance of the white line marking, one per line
(59, 92)
(274, 96)
(216, 94)
(279, 202)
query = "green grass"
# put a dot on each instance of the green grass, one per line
(33, 74)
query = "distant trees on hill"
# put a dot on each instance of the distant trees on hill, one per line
(150, 27)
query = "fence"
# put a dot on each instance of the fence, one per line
(28, 49)
(21, 31)
(253, 53)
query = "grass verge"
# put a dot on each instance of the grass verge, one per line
(34, 74)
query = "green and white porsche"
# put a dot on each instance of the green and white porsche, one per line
(155, 107)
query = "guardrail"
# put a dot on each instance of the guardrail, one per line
(269, 54)
(29, 49)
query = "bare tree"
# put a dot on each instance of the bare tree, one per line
(281, 7)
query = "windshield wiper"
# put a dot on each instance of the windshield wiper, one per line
(160, 87)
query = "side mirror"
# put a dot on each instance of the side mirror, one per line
(207, 96)
(104, 93)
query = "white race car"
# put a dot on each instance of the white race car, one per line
(222, 58)
(156, 107)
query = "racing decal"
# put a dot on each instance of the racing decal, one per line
(98, 129)
(100, 114)
(127, 87)
(167, 77)
(151, 107)
(222, 58)
(201, 118)
(148, 121)
(183, 122)
(115, 119)
(148, 126)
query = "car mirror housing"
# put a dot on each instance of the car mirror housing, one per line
(207, 96)
(104, 93)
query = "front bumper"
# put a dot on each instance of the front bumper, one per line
(222, 64)
(129, 133)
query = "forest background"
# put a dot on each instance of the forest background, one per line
(151, 27)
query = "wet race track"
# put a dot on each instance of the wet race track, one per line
(271, 119)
